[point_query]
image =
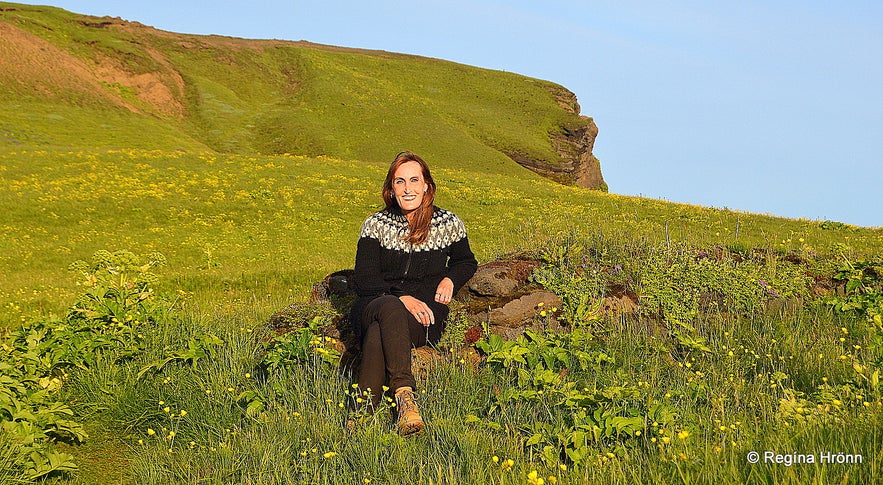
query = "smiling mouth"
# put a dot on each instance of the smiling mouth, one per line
(409, 198)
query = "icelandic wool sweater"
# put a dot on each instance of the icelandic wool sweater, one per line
(386, 264)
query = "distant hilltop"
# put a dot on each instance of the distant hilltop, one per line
(75, 81)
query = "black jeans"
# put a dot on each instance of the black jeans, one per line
(389, 331)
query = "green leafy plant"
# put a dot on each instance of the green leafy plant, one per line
(577, 418)
(862, 290)
(301, 346)
(106, 320)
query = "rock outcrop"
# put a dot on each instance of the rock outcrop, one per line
(499, 299)
(577, 164)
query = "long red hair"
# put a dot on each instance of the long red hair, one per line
(422, 216)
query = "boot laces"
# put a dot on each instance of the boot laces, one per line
(406, 401)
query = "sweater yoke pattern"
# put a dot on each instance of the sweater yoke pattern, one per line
(391, 229)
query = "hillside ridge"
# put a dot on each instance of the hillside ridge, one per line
(234, 95)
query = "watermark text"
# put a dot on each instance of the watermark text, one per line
(788, 459)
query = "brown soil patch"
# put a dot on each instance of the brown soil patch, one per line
(33, 65)
(160, 90)
(30, 64)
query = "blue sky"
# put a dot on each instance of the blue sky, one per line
(762, 106)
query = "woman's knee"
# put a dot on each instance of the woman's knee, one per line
(390, 306)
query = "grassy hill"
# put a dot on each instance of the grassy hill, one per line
(75, 81)
(250, 165)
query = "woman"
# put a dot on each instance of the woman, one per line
(411, 259)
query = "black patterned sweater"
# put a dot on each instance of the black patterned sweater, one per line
(386, 264)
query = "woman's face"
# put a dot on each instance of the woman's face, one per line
(408, 186)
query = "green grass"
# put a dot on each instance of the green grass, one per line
(30, 123)
(258, 190)
(267, 228)
(725, 402)
(247, 235)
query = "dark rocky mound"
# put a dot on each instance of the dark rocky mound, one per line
(500, 298)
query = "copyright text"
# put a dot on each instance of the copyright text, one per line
(789, 459)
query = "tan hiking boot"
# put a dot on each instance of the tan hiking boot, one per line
(410, 422)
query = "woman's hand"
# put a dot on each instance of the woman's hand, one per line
(419, 309)
(445, 291)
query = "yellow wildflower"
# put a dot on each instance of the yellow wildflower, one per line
(534, 479)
